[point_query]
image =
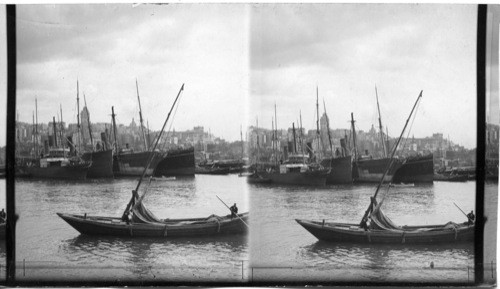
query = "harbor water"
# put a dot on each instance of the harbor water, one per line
(50, 249)
(282, 250)
(279, 249)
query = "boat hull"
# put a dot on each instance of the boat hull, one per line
(416, 170)
(352, 233)
(176, 163)
(372, 170)
(340, 170)
(133, 164)
(107, 226)
(76, 172)
(311, 178)
(102, 164)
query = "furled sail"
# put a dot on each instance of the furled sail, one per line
(379, 220)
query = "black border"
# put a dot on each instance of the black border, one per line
(10, 160)
(11, 144)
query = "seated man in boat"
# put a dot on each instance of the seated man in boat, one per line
(234, 210)
(470, 216)
(364, 224)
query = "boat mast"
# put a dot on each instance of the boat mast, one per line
(62, 133)
(149, 135)
(88, 122)
(381, 128)
(276, 135)
(140, 117)
(78, 117)
(294, 141)
(318, 135)
(242, 145)
(151, 155)
(55, 131)
(33, 134)
(328, 128)
(370, 207)
(354, 138)
(301, 138)
(114, 128)
(36, 128)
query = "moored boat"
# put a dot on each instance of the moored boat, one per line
(128, 163)
(57, 166)
(102, 163)
(168, 228)
(371, 170)
(375, 227)
(340, 170)
(138, 221)
(418, 169)
(178, 162)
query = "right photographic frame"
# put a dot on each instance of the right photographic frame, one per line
(363, 137)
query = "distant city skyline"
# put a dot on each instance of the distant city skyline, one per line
(262, 54)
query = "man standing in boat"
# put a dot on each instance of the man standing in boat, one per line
(234, 211)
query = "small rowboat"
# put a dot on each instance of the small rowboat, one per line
(169, 228)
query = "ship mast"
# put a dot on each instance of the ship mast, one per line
(55, 130)
(78, 117)
(140, 117)
(354, 138)
(36, 128)
(301, 138)
(381, 128)
(328, 128)
(114, 128)
(276, 135)
(317, 123)
(242, 145)
(88, 122)
(63, 142)
(33, 133)
(294, 140)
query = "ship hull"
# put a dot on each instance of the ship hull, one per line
(340, 170)
(133, 164)
(314, 178)
(372, 170)
(418, 170)
(177, 163)
(102, 164)
(78, 172)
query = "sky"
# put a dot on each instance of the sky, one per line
(346, 50)
(238, 60)
(107, 47)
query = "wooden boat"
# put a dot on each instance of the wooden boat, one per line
(375, 227)
(353, 233)
(138, 221)
(169, 228)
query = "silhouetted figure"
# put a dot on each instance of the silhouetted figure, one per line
(234, 210)
(471, 218)
(3, 216)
